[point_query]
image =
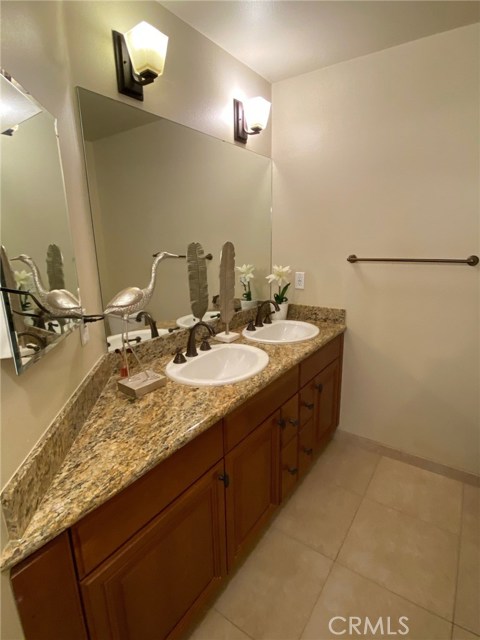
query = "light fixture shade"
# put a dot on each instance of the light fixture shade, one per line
(147, 48)
(257, 111)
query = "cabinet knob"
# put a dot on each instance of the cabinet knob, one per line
(293, 421)
(309, 405)
(307, 451)
(225, 479)
(281, 423)
(319, 387)
(292, 470)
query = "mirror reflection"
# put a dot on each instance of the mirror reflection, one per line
(158, 186)
(35, 230)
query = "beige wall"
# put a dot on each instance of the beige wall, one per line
(51, 47)
(379, 156)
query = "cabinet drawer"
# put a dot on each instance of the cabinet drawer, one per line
(289, 467)
(320, 359)
(242, 421)
(104, 530)
(289, 422)
(306, 446)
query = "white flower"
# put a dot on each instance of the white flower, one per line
(23, 279)
(279, 275)
(246, 272)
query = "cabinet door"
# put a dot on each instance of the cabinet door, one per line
(326, 410)
(46, 593)
(252, 468)
(153, 586)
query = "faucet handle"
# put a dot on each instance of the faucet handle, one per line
(251, 326)
(179, 357)
(205, 346)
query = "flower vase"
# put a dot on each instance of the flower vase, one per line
(248, 304)
(282, 314)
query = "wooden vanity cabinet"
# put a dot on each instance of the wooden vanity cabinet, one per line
(143, 565)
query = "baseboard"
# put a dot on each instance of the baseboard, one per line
(423, 463)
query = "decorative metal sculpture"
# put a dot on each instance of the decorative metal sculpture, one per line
(132, 300)
(58, 302)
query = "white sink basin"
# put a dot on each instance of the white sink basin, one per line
(185, 322)
(140, 335)
(223, 364)
(282, 332)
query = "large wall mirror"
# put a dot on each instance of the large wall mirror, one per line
(155, 186)
(34, 223)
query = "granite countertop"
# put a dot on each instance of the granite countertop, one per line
(122, 439)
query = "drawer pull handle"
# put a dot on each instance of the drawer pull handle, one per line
(292, 470)
(307, 451)
(293, 421)
(319, 387)
(309, 405)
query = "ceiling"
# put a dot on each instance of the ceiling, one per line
(280, 39)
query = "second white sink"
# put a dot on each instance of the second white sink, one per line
(140, 335)
(283, 332)
(223, 364)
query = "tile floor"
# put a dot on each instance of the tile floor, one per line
(364, 536)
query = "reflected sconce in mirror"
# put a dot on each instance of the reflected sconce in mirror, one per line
(250, 117)
(139, 58)
(15, 105)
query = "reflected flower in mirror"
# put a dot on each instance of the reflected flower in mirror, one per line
(24, 282)
(246, 274)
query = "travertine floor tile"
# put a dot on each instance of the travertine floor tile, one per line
(467, 604)
(412, 558)
(463, 634)
(319, 515)
(347, 595)
(426, 495)
(346, 465)
(215, 627)
(275, 590)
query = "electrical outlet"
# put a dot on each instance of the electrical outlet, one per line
(300, 280)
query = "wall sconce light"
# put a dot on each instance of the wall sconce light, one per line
(249, 118)
(139, 58)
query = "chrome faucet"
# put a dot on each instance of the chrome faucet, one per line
(191, 348)
(266, 319)
(150, 321)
